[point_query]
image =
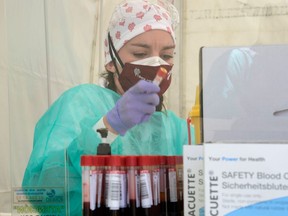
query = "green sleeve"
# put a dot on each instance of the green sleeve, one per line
(62, 135)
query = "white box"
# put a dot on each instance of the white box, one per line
(193, 180)
(246, 179)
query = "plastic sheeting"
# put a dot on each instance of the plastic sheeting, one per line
(45, 48)
(56, 142)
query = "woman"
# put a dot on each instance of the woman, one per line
(140, 39)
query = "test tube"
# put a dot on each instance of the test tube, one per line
(133, 199)
(163, 185)
(97, 205)
(115, 181)
(179, 171)
(172, 186)
(156, 183)
(161, 74)
(149, 185)
(86, 163)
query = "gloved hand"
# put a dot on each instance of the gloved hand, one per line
(134, 107)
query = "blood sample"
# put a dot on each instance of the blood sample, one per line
(133, 192)
(115, 181)
(172, 186)
(149, 185)
(161, 74)
(86, 163)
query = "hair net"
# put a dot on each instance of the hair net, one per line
(131, 18)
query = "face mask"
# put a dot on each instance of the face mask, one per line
(145, 69)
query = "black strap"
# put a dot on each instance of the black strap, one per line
(113, 51)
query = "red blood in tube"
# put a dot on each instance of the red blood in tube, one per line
(173, 207)
(133, 185)
(163, 185)
(149, 172)
(117, 179)
(98, 170)
(86, 163)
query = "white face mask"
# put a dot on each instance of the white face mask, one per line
(151, 61)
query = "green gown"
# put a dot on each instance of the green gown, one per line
(65, 132)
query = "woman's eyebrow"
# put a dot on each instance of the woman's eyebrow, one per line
(147, 46)
(169, 47)
(140, 45)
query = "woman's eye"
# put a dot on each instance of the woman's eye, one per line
(167, 57)
(139, 55)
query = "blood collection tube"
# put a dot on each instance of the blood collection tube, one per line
(179, 171)
(163, 185)
(172, 186)
(116, 188)
(133, 192)
(156, 184)
(161, 74)
(86, 163)
(149, 185)
(97, 205)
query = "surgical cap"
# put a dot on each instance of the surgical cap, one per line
(134, 17)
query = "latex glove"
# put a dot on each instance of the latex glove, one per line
(134, 107)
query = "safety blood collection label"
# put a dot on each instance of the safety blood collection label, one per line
(246, 179)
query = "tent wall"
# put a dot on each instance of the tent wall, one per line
(48, 46)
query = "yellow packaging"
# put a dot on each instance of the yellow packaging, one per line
(195, 116)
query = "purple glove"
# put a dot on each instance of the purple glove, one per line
(134, 107)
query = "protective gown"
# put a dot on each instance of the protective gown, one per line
(65, 132)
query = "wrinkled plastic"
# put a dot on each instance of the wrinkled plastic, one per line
(231, 81)
(244, 94)
(64, 133)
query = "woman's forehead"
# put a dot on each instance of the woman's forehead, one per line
(152, 38)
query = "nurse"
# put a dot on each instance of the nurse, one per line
(140, 38)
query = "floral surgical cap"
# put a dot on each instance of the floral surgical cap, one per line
(134, 17)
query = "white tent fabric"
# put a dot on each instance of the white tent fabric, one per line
(46, 47)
